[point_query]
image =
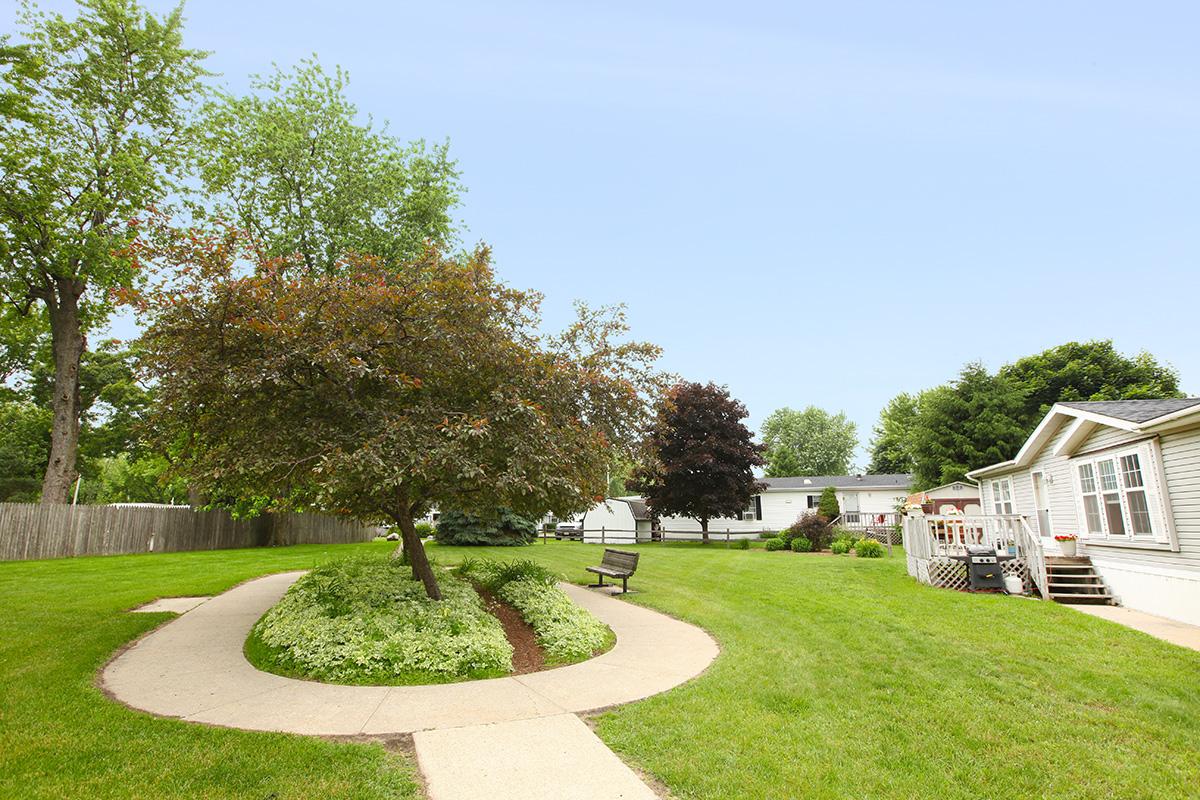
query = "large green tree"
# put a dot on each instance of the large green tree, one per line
(973, 422)
(698, 456)
(983, 418)
(102, 133)
(1087, 371)
(379, 392)
(891, 446)
(291, 164)
(808, 442)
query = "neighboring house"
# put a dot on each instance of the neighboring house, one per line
(1124, 476)
(617, 519)
(960, 496)
(860, 497)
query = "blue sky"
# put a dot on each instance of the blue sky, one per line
(812, 203)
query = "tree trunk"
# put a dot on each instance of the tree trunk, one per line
(704, 528)
(68, 345)
(421, 570)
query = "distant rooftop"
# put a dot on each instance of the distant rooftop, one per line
(1134, 410)
(887, 481)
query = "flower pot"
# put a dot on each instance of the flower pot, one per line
(1069, 547)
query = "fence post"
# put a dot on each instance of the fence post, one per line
(602, 540)
(726, 538)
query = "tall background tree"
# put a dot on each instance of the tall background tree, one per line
(1087, 371)
(808, 442)
(379, 392)
(970, 423)
(891, 446)
(102, 134)
(698, 456)
(291, 164)
(982, 418)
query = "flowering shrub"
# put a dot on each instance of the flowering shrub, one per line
(365, 620)
(566, 632)
(868, 548)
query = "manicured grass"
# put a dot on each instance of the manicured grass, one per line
(842, 677)
(60, 621)
(839, 677)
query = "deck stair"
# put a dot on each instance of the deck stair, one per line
(1075, 580)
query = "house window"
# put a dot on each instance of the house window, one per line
(751, 512)
(814, 500)
(1116, 500)
(1002, 502)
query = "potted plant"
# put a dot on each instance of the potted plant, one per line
(1067, 542)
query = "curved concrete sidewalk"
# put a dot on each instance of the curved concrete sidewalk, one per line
(193, 668)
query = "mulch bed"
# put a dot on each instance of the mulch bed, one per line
(527, 653)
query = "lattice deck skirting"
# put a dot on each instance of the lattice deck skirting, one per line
(946, 573)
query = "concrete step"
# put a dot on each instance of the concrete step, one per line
(1064, 597)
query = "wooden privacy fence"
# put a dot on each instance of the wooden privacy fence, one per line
(30, 530)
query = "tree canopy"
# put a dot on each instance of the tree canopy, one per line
(698, 456)
(808, 442)
(290, 164)
(96, 131)
(891, 446)
(377, 392)
(982, 418)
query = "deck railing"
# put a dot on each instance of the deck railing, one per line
(930, 536)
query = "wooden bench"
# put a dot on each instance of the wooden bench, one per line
(616, 564)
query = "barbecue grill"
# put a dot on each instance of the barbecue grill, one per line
(983, 567)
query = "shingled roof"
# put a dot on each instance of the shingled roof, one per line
(888, 481)
(1134, 410)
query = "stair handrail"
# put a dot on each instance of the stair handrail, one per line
(1030, 545)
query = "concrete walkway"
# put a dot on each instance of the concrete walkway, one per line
(193, 668)
(1168, 630)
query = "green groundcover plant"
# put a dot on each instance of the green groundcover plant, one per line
(366, 621)
(566, 632)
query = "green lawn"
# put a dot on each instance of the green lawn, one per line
(838, 677)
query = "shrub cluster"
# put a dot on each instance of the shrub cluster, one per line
(840, 547)
(868, 548)
(813, 527)
(365, 620)
(742, 544)
(776, 543)
(801, 545)
(566, 632)
(425, 529)
(504, 528)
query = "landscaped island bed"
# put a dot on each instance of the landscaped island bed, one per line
(365, 620)
(837, 677)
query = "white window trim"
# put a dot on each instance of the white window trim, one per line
(997, 502)
(1049, 506)
(1154, 483)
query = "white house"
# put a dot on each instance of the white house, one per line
(616, 520)
(1124, 476)
(783, 502)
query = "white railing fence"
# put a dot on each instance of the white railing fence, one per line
(936, 536)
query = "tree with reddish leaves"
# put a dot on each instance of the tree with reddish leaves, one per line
(379, 393)
(699, 456)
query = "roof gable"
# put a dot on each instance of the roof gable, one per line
(1085, 416)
